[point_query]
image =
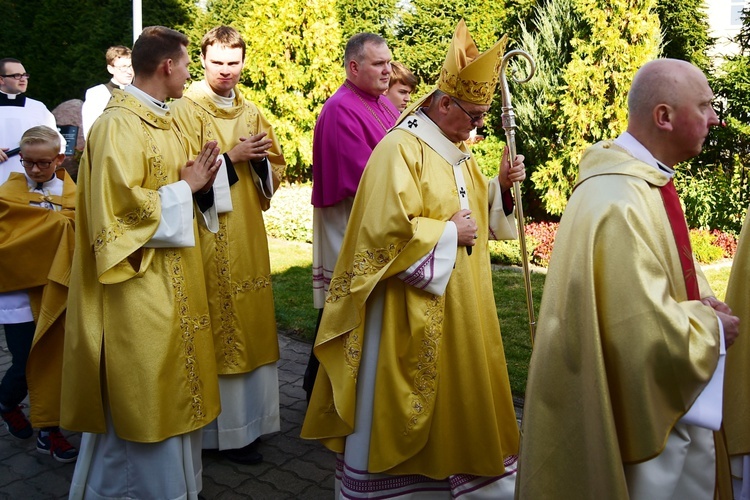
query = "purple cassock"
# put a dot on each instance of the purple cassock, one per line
(350, 125)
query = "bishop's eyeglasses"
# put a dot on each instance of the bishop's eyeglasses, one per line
(474, 119)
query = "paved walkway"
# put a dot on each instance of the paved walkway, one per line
(292, 467)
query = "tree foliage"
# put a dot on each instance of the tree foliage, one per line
(592, 83)
(684, 26)
(372, 16)
(714, 185)
(62, 44)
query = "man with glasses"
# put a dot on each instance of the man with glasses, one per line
(413, 389)
(18, 113)
(121, 69)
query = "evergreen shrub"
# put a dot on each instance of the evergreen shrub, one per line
(290, 215)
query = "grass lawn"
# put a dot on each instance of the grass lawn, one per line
(291, 266)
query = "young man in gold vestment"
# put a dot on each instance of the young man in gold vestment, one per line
(139, 373)
(625, 382)
(413, 390)
(235, 259)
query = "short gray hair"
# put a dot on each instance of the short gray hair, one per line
(355, 47)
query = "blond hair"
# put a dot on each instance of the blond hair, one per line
(41, 134)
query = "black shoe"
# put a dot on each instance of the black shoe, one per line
(247, 455)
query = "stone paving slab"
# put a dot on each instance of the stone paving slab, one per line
(292, 468)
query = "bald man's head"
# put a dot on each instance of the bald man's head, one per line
(670, 109)
(663, 81)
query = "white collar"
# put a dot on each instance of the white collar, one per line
(11, 96)
(638, 151)
(121, 87)
(155, 105)
(219, 100)
(47, 185)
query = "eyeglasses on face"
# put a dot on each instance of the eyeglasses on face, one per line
(43, 165)
(474, 119)
(124, 67)
(17, 76)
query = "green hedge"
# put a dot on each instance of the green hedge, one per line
(290, 215)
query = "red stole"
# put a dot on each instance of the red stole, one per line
(682, 238)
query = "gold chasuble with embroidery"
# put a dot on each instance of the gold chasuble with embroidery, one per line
(235, 259)
(36, 251)
(621, 353)
(442, 402)
(138, 331)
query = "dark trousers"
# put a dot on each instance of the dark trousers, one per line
(308, 382)
(13, 388)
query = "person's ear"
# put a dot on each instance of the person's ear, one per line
(111, 69)
(203, 61)
(444, 104)
(59, 159)
(166, 66)
(353, 67)
(662, 116)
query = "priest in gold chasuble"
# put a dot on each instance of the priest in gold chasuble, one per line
(623, 399)
(139, 374)
(235, 259)
(413, 390)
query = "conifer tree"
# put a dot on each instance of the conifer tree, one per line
(611, 41)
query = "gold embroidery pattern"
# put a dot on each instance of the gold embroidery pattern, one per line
(469, 90)
(251, 285)
(146, 210)
(228, 330)
(189, 326)
(423, 396)
(157, 170)
(120, 225)
(365, 263)
(353, 352)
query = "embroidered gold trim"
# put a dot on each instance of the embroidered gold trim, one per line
(189, 326)
(422, 398)
(148, 207)
(251, 285)
(228, 333)
(120, 225)
(469, 90)
(353, 352)
(365, 263)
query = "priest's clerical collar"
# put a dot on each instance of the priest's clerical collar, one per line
(10, 96)
(219, 100)
(638, 151)
(121, 87)
(12, 100)
(155, 105)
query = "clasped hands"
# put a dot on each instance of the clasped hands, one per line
(250, 149)
(201, 172)
(729, 321)
(465, 225)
